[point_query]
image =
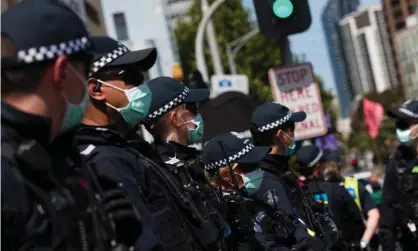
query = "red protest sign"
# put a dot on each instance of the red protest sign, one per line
(294, 86)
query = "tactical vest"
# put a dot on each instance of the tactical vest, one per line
(351, 185)
(66, 225)
(407, 184)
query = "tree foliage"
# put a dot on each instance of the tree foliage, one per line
(231, 21)
(359, 137)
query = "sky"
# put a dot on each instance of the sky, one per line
(312, 43)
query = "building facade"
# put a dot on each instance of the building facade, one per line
(142, 24)
(367, 52)
(331, 15)
(396, 13)
(90, 11)
(407, 42)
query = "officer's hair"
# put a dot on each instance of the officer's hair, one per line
(267, 138)
(25, 79)
(160, 128)
(22, 80)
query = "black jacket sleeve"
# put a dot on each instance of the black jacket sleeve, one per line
(388, 216)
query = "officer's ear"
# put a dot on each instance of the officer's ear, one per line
(95, 89)
(59, 70)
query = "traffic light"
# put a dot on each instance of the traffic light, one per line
(195, 80)
(280, 18)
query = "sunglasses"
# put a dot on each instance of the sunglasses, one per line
(132, 75)
(193, 107)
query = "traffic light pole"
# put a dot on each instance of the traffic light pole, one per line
(285, 53)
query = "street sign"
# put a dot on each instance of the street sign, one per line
(228, 83)
(294, 86)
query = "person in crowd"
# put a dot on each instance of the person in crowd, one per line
(233, 163)
(273, 125)
(375, 186)
(359, 194)
(45, 52)
(175, 124)
(344, 212)
(400, 187)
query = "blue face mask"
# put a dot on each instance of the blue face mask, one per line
(290, 149)
(404, 136)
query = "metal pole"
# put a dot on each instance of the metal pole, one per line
(238, 43)
(231, 61)
(285, 54)
(213, 44)
(200, 56)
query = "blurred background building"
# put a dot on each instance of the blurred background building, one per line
(396, 16)
(331, 16)
(367, 51)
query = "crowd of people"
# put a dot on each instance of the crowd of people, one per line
(76, 175)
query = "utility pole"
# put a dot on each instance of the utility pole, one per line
(213, 45)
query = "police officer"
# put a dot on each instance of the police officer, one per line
(360, 195)
(44, 55)
(345, 214)
(174, 128)
(400, 190)
(273, 125)
(227, 151)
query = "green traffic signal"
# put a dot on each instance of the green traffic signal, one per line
(282, 8)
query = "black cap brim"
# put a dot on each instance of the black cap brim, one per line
(395, 113)
(144, 59)
(298, 116)
(197, 95)
(254, 155)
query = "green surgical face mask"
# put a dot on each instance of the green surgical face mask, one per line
(137, 109)
(195, 135)
(404, 136)
(253, 180)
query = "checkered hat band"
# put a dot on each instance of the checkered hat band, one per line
(317, 158)
(49, 52)
(408, 112)
(168, 107)
(107, 59)
(220, 163)
(276, 123)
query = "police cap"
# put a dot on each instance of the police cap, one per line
(231, 148)
(272, 115)
(42, 30)
(168, 93)
(309, 156)
(109, 52)
(407, 111)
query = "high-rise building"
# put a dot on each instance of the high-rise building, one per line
(90, 11)
(407, 41)
(396, 15)
(367, 51)
(331, 15)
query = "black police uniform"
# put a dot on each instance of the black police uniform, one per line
(270, 116)
(208, 228)
(399, 209)
(345, 214)
(43, 197)
(187, 167)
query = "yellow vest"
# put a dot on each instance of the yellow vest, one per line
(351, 185)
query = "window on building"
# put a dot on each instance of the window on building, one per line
(363, 20)
(120, 26)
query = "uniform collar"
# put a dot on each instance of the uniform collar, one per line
(99, 135)
(274, 163)
(170, 149)
(25, 124)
